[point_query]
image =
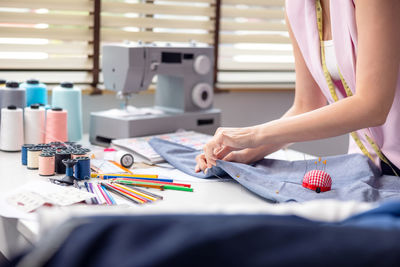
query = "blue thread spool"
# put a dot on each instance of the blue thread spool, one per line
(82, 168)
(36, 92)
(69, 97)
(24, 154)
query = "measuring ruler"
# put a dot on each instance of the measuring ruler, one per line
(332, 90)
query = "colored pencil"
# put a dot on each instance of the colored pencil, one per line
(99, 175)
(138, 178)
(115, 191)
(94, 191)
(164, 186)
(145, 192)
(136, 192)
(138, 198)
(122, 167)
(108, 195)
(103, 194)
(152, 181)
(93, 199)
(141, 184)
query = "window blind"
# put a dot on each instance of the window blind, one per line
(177, 21)
(254, 44)
(51, 40)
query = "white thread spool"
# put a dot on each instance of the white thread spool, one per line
(33, 158)
(11, 129)
(34, 119)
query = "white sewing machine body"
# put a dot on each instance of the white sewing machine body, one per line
(183, 98)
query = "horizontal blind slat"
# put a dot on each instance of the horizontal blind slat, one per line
(255, 2)
(50, 33)
(231, 51)
(111, 35)
(114, 21)
(73, 5)
(59, 49)
(119, 7)
(50, 63)
(254, 38)
(34, 18)
(233, 65)
(54, 77)
(254, 13)
(188, 1)
(252, 26)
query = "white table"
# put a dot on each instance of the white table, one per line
(18, 234)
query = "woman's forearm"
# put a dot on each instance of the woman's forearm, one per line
(342, 117)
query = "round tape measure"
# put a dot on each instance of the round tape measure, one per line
(124, 158)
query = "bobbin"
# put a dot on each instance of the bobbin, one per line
(60, 156)
(24, 153)
(69, 167)
(46, 164)
(33, 158)
(78, 153)
(82, 168)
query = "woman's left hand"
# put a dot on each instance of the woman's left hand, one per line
(227, 140)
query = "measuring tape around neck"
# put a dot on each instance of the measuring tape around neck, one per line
(332, 90)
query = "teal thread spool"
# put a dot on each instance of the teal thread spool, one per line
(36, 92)
(69, 97)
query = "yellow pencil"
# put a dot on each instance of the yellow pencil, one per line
(135, 192)
(100, 175)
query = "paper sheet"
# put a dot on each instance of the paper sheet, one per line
(19, 202)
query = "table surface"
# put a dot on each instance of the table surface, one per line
(211, 192)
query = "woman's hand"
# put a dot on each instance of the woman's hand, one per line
(227, 140)
(242, 156)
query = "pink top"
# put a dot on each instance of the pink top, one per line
(302, 18)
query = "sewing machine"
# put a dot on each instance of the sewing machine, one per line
(183, 98)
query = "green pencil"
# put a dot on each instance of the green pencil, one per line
(171, 187)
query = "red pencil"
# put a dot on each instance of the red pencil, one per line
(153, 181)
(142, 200)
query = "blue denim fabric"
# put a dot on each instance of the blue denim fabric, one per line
(354, 177)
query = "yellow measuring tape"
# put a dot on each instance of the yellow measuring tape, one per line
(332, 90)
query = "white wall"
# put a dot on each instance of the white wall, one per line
(238, 109)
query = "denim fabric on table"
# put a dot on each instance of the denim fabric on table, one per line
(354, 177)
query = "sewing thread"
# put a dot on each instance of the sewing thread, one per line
(34, 121)
(11, 129)
(56, 125)
(33, 158)
(46, 164)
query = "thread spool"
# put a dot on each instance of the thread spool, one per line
(69, 97)
(69, 170)
(36, 92)
(56, 125)
(11, 129)
(24, 153)
(2, 83)
(82, 168)
(60, 156)
(46, 164)
(33, 158)
(12, 95)
(78, 153)
(34, 119)
(123, 158)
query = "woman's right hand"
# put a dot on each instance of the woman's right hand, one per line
(245, 156)
(241, 156)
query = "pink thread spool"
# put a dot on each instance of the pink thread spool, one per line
(56, 125)
(46, 164)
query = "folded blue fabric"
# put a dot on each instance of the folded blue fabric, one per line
(354, 177)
